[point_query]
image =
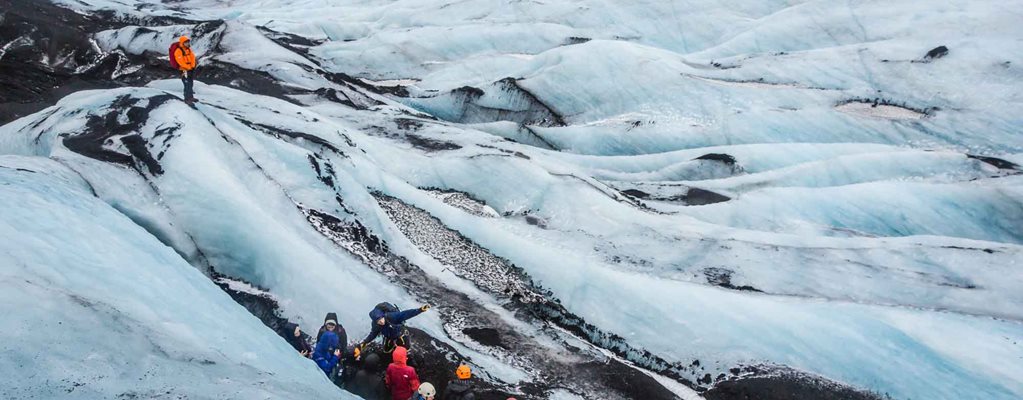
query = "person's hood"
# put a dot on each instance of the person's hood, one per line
(376, 314)
(371, 362)
(459, 386)
(330, 316)
(331, 339)
(181, 40)
(289, 329)
(400, 356)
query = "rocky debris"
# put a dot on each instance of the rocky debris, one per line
(353, 236)
(936, 53)
(997, 162)
(720, 157)
(504, 100)
(45, 54)
(464, 202)
(723, 278)
(428, 144)
(123, 121)
(499, 277)
(778, 384)
(48, 52)
(350, 81)
(407, 124)
(576, 40)
(466, 259)
(639, 194)
(883, 108)
(334, 95)
(671, 193)
(284, 134)
(260, 302)
(536, 221)
(295, 43)
(700, 197)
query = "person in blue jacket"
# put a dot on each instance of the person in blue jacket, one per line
(389, 322)
(328, 350)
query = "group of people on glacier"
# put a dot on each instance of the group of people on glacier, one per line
(356, 367)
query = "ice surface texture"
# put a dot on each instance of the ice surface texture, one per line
(95, 307)
(867, 201)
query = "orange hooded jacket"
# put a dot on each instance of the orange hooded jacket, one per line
(184, 57)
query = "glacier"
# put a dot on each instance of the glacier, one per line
(96, 307)
(647, 199)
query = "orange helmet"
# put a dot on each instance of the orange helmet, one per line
(463, 372)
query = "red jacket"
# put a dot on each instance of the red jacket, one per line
(401, 379)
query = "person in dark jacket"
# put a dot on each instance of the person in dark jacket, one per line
(368, 380)
(293, 334)
(339, 329)
(400, 378)
(328, 352)
(460, 388)
(389, 322)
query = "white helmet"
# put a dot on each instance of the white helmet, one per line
(426, 389)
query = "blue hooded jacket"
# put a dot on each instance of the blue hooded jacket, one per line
(324, 353)
(394, 323)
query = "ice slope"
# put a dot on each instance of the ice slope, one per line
(219, 162)
(204, 172)
(244, 192)
(95, 307)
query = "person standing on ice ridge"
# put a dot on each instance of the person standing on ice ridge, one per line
(182, 58)
(390, 323)
(327, 353)
(400, 378)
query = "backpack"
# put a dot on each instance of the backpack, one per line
(173, 60)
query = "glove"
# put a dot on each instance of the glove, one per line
(358, 351)
(424, 308)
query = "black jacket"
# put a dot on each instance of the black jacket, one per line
(298, 342)
(459, 389)
(368, 380)
(340, 330)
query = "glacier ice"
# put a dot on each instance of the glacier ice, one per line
(91, 301)
(867, 213)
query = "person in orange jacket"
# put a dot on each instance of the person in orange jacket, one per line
(185, 58)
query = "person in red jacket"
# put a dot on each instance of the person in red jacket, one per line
(400, 378)
(185, 58)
